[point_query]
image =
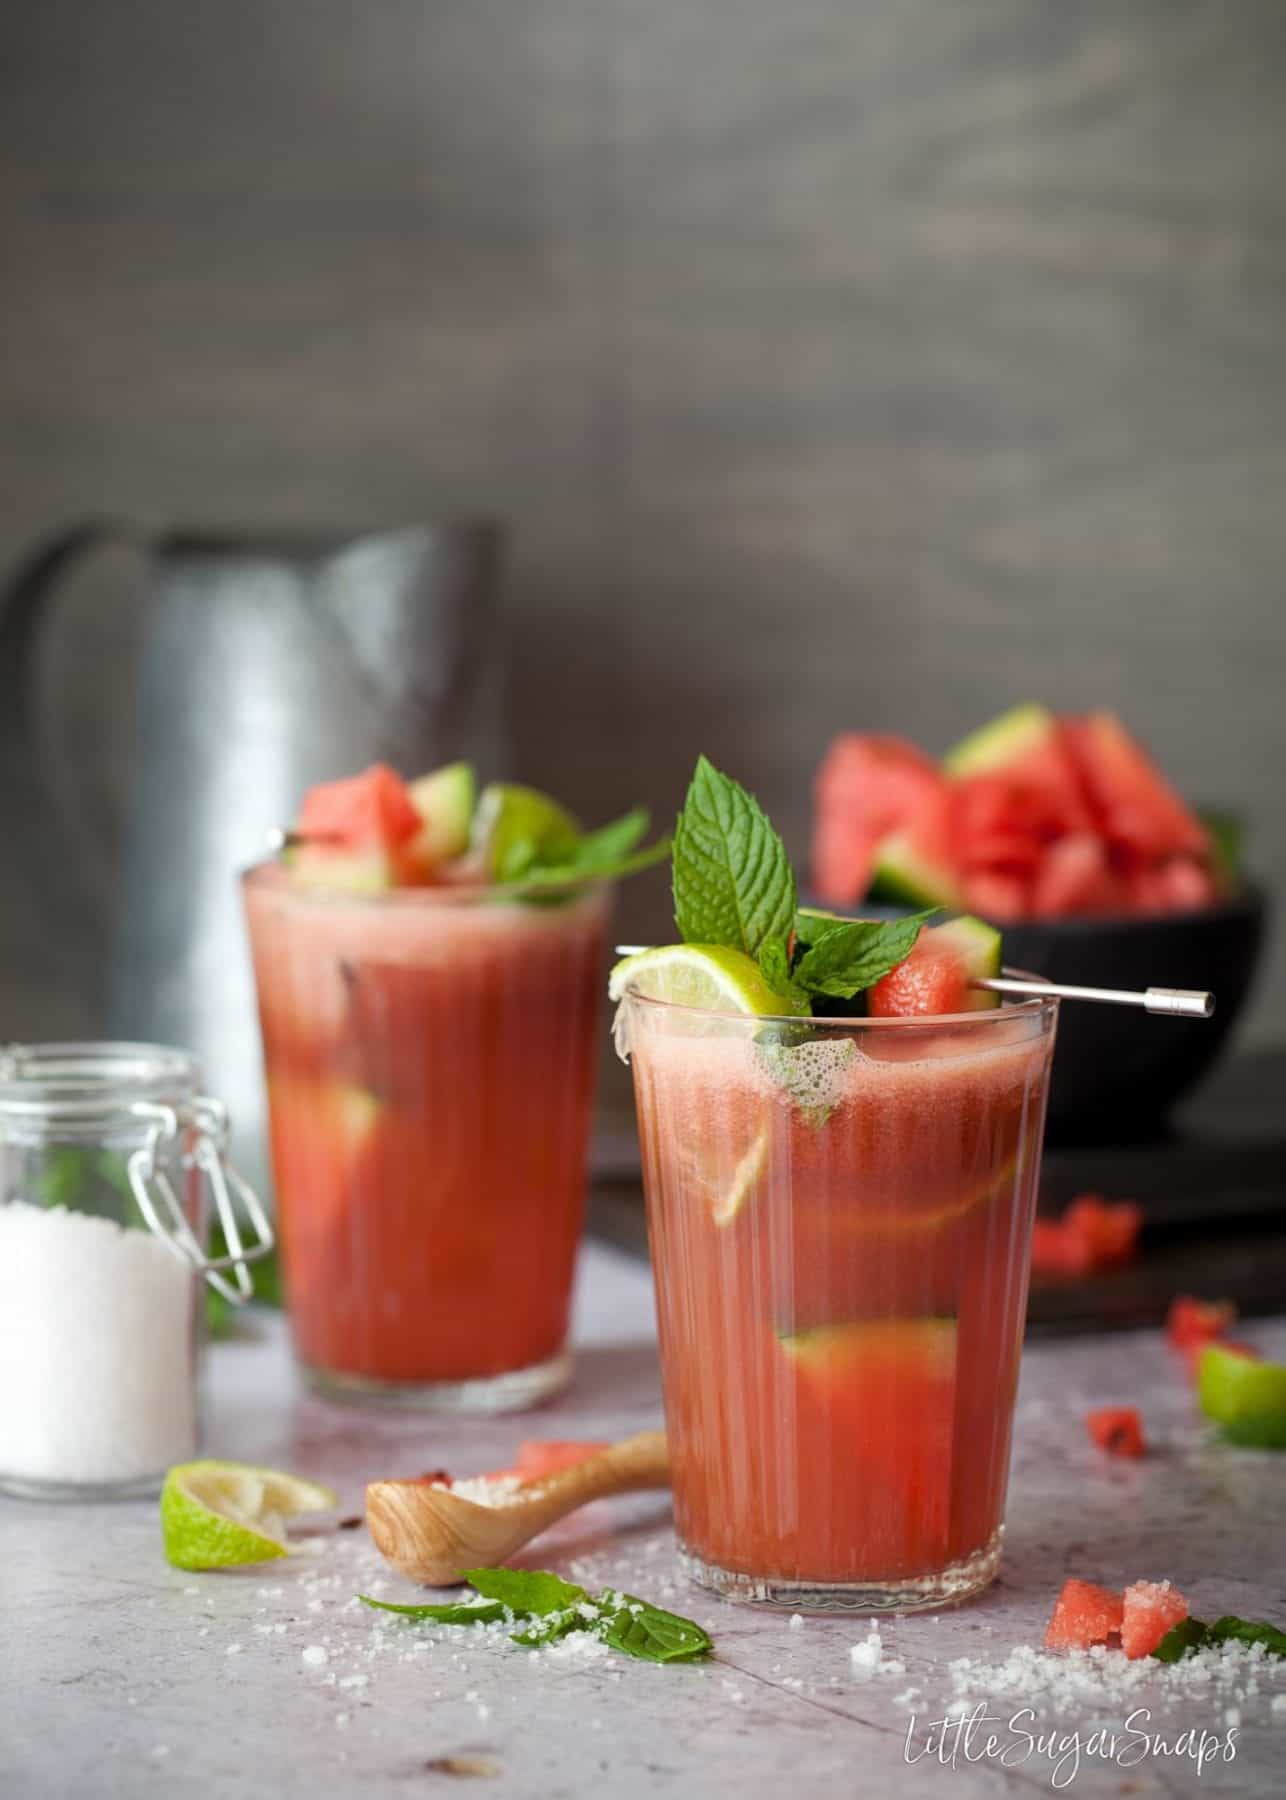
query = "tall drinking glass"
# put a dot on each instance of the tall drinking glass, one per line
(840, 1215)
(430, 1055)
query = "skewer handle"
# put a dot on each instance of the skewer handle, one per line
(1174, 1003)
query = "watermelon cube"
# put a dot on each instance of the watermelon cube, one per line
(1084, 1614)
(1191, 1321)
(373, 808)
(1110, 1227)
(1150, 1609)
(1117, 1429)
(1092, 1234)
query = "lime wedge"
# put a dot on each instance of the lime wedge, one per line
(1243, 1395)
(513, 825)
(704, 975)
(723, 1159)
(215, 1515)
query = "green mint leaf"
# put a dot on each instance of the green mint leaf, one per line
(607, 854)
(774, 966)
(1231, 1629)
(733, 883)
(570, 875)
(1189, 1634)
(552, 1626)
(639, 1629)
(1227, 843)
(848, 958)
(609, 843)
(529, 1593)
(455, 1612)
(810, 924)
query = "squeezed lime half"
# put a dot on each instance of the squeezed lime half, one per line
(215, 1515)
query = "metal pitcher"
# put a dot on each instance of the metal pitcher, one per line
(270, 661)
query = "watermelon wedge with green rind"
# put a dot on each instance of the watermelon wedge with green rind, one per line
(445, 800)
(881, 1393)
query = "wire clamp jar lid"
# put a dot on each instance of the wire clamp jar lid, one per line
(146, 1096)
(203, 1124)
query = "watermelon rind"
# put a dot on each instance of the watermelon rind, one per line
(834, 1347)
(979, 947)
(904, 876)
(365, 871)
(445, 800)
(1002, 741)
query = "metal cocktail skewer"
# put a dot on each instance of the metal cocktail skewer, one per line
(1174, 1003)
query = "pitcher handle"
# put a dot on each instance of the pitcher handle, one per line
(23, 608)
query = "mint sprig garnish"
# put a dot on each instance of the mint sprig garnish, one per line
(1191, 1635)
(605, 854)
(734, 886)
(554, 1608)
(733, 883)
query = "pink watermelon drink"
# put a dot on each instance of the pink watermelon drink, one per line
(841, 1284)
(430, 1042)
(839, 1210)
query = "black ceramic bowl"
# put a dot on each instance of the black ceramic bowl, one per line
(1117, 1071)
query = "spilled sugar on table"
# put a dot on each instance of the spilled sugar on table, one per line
(122, 1676)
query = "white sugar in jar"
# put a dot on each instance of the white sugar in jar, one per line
(109, 1155)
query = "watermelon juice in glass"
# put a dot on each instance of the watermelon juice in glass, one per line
(427, 971)
(841, 1142)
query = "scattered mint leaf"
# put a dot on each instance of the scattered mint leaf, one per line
(528, 1593)
(1191, 1635)
(552, 1626)
(850, 957)
(649, 1632)
(559, 1607)
(1188, 1634)
(733, 883)
(454, 1612)
(1231, 1629)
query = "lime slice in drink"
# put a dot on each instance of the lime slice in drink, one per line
(215, 1515)
(703, 975)
(721, 1155)
(514, 825)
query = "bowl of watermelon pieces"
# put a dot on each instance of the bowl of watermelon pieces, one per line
(1063, 831)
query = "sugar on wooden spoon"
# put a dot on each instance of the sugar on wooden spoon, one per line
(433, 1535)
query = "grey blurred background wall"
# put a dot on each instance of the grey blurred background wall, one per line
(845, 363)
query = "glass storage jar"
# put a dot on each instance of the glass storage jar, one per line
(109, 1158)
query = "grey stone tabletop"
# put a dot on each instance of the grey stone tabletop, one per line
(120, 1676)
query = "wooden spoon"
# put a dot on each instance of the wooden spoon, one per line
(432, 1535)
